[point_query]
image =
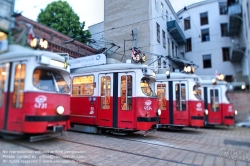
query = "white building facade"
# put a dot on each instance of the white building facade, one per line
(211, 39)
(150, 26)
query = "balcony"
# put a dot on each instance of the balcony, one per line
(237, 53)
(235, 19)
(176, 32)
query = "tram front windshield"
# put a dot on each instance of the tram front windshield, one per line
(49, 81)
(196, 91)
(146, 88)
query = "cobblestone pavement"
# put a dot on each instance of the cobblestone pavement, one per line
(211, 146)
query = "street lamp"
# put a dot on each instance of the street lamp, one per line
(189, 69)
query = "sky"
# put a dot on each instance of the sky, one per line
(90, 11)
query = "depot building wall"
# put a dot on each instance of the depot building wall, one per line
(241, 102)
(56, 40)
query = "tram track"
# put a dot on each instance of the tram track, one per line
(172, 147)
(127, 152)
(195, 142)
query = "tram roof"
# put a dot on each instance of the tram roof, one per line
(109, 67)
(209, 82)
(17, 51)
(176, 76)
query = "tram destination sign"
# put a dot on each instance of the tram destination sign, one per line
(91, 60)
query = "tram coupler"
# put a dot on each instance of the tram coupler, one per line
(150, 131)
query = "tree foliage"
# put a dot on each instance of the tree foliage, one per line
(60, 16)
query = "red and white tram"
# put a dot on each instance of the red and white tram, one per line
(179, 101)
(113, 97)
(34, 92)
(220, 110)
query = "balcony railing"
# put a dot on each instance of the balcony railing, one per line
(235, 19)
(176, 32)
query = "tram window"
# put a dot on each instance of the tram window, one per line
(2, 83)
(105, 92)
(43, 80)
(18, 94)
(197, 92)
(145, 87)
(83, 85)
(161, 93)
(180, 97)
(126, 92)
(49, 81)
(214, 96)
(61, 83)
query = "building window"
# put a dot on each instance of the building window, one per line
(248, 13)
(158, 32)
(207, 61)
(205, 35)
(164, 38)
(156, 5)
(188, 46)
(162, 9)
(225, 53)
(229, 78)
(223, 7)
(223, 28)
(159, 62)
(168, 47)
(172, 48)
(176, 48)
(204, 18)
(187, 23)
(166, 15)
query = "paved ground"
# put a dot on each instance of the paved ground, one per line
(212, 146)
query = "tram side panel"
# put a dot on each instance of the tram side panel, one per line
(146, 112)
(113, 100)
(33, 112)
(228, 114)
(38, 115)
(82, 111)
(180, 106)
(196, 113)
(221, 111)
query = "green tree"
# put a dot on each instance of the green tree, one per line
(60, 16)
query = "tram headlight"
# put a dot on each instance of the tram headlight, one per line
(235, 112)
(60, 110)
(158, 112)
(206, 112)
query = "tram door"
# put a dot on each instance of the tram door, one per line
(126, 103)
(213, 99)
(163, 102)
(105, 112)
(12, 100)
(3, 89)
(179, 109)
